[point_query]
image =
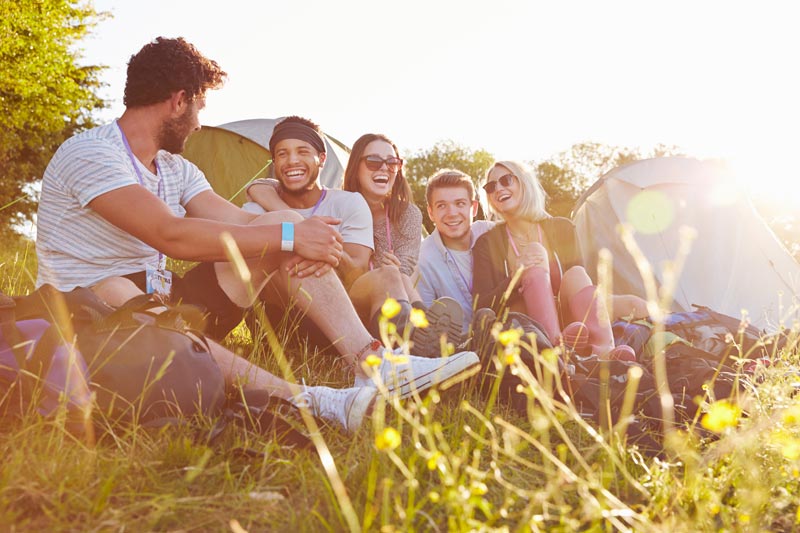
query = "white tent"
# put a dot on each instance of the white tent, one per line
(233, 154)
(735, 262)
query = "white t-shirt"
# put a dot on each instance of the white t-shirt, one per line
(351, 207)
(77, 247)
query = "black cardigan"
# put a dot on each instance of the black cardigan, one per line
(491, 273)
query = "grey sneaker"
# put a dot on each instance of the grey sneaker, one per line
(346, 407)
(419, 373)
(445, 318)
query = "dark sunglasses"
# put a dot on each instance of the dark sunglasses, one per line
(375, 162)
(505, 180)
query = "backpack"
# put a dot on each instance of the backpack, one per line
(33, 359)
(142, 366)
(701, 349)
(483, 344)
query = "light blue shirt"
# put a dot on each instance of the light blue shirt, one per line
(440, 275)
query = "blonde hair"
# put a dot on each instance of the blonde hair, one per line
(532, 202)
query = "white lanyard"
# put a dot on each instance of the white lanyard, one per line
(161, 195)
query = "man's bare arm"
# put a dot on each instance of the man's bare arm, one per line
(212, 206)
(266, 195)
(138, 212)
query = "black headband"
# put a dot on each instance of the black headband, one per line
(294, 130)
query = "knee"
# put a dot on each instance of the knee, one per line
(386, 276)
(630, 306)
(116, 290)
(576, 276)
(536, 256)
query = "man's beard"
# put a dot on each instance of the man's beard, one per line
(303, 189)
(174, 132)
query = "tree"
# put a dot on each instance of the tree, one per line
(45, 94)
(444, 154)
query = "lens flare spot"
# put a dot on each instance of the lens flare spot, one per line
(650, 212)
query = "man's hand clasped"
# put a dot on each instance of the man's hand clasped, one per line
(318, 247)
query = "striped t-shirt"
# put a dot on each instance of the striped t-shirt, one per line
(75, 246)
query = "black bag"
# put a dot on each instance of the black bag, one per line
(146, 367)
(700, 350)
(486, 347)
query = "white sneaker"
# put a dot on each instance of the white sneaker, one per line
(346, 407)
(418, 373)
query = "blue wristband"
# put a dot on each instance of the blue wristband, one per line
(287, 237)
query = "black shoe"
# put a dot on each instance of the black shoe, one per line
(445, 318)
(400, 320)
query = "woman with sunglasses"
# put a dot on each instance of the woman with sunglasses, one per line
(375, 170)
(542, 247)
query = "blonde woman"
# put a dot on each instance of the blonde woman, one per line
(543, 247)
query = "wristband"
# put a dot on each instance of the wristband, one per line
(287, 237)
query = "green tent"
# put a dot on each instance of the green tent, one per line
(233, 154)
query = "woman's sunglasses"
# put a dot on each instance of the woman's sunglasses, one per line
(505, 180)
(375, 162)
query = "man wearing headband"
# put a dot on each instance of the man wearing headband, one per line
(117, 200)
(298, 156)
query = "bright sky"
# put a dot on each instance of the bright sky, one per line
(522, 79)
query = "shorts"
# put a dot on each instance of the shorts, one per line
(199, 287)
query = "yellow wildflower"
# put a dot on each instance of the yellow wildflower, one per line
(791, 449)
(721, 415)
(433, 461)
(791, 415)
(509, 336)
(373, 361)
(388, 439)
(390, 308)
(418, 318)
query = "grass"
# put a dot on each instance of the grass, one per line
(455, 461)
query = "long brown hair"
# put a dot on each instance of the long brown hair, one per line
(400, 196)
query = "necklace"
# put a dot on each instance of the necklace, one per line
(514, 244)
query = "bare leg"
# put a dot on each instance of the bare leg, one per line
(622, 305)
(411, 289)
(325, 302)
(537, 293)
(323, 299)
(244, 293)
(572, 282)
(586, 307)
(372, 288)
(628, 306)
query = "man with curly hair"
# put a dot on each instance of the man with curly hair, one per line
(117, 200)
